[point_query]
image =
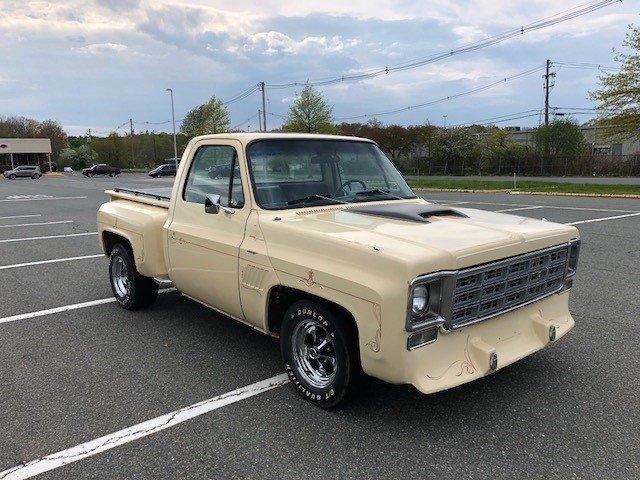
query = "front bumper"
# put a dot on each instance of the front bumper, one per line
(472, 352)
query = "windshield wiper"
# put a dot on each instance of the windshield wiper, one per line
(378, 191)
(311, 198)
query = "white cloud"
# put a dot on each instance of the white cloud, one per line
(100, 48)
(272, 43)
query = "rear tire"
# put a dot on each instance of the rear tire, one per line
(36, 176)
(319, 352)
(132, 290)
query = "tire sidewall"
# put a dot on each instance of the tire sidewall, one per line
(333, 393)
(120, 251)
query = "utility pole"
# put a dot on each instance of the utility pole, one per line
(132, 154)
(547, 87)
(173, 120)
(264, 108)
(259, 119)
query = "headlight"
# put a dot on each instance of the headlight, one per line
(424, 301)
(420, 300)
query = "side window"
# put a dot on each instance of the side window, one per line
(211, 172)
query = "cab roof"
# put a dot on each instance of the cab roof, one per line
(246, 138)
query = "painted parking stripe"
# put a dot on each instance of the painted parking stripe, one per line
(603, 219)
(46, 237)
(21, 216)
(40, 199)
(518, 209)
(66, 308)
(36, 224)
(129, 434)
(55, 260)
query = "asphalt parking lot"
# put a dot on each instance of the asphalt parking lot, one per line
(73, 372)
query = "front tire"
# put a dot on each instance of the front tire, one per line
(319, 353)
(12, 177)
(132, 290)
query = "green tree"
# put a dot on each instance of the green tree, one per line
(560, 141)
(561, 138)
(454, 149)
(210, 117)
(310, 113)
(619, 94)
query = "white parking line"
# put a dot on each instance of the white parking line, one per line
(517, 209)
(39, 199)
(36, 224)
(603, 219)
(129, 434)
(24, 239)
(66, 308)
(21, 216)
(55, 260)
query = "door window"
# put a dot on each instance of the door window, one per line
(215, 170)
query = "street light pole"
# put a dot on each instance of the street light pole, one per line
(173, 120)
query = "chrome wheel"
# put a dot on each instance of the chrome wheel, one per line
(120, 277)
(314, 352)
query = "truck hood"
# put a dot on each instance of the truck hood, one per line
(464, 237)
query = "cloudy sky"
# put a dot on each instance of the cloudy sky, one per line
(95, 64)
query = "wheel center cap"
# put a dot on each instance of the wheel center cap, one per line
(313, 353)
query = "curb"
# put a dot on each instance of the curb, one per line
(566, 194)
(520, 192)
(463, 190)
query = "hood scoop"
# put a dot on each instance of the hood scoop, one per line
(410, 212)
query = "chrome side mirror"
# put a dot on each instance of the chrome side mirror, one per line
(212, 204)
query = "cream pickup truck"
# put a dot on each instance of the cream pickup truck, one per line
(319, 241)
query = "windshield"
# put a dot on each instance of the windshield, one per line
(293, 173)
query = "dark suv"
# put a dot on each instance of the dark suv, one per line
(29, 171)
(163, 170)
(101, 169)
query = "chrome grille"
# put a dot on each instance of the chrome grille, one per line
(488, 290)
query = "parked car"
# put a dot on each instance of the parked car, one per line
(67, 169)
(163, 170)
(333, 253)
(101, 169)
(29, 171)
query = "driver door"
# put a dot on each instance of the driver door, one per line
(203, 248)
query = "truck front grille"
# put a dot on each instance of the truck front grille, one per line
(490, 289)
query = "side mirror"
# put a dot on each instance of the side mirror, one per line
(212, 203)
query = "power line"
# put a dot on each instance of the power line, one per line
(501, 118)
(545, 22)
(244, 121)
(585, 66)
(446, 98)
